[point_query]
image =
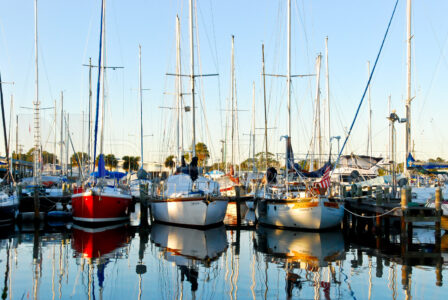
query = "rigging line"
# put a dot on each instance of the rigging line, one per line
(441, 56)
(216, 62)
(368, 83)
(203, 104)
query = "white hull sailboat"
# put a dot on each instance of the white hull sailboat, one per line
(312, 213)
(296, 204)
(185, 203)
(187, 198)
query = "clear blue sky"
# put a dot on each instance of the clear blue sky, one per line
(69, 33)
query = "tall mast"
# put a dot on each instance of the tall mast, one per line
(288, 68)
(37, 171)
(4, 131)
(409, 99)
(54, 145)
(192, 80)
(140, 98)
(89, 146)
(232, 99)
(253, 126)
(103, 71)
(288, 87)
(327, 77)
(62, 132)
(265, 109)
(318, 129)
(369, 135)
(180, 140)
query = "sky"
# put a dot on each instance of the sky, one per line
(69, 35)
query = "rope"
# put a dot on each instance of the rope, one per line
(367, 86)
(372, 217)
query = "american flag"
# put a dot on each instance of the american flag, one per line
(324, 182)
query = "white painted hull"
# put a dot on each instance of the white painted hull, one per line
(191, 212)
(292, 214)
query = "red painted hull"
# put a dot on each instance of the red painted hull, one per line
(93, 207)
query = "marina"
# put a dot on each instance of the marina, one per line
(285, 186)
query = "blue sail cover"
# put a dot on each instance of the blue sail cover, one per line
(315, 174)
(289, 155)
(411, 163)
(101, 166)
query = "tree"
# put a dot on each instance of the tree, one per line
(202, 153)
(169, 162)
(130, 163)
(82, 156)
(110, 161)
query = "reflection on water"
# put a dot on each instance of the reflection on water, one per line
(307, 258)
(226, 262)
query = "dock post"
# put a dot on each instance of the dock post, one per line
(438, 206)
(238, 208)
(439, 277)
(36, 204)
(404, 229)
(143, 204)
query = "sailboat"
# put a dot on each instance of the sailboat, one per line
(101, 198)
(299, 204)
(187, 198)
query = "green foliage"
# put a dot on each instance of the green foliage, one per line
(130, 163)
(110, 161)
(82, 156)
(47, 157)
(169, 162)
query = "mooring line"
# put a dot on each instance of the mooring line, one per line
(371, 217)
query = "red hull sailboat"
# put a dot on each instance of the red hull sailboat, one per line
(101, 198)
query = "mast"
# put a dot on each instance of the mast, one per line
(4, 131)
(180, 139)
(140, 98)
(37, 154)
(89, 146)
(103, 71)
(192, 80)
(288, 68)
(409, 99)
(62, 131)
(327, 77)
(54, 145)
(232, 99)
(265, 111)
(369, 133)
(253, 127)
(318, 129)
(288, 87)
(98, 88)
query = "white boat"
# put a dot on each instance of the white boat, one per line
(185, 202)
(186, 198)
(8, 207)
(312, 212)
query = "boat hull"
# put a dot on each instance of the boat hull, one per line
(315, 215)
(97, 207)
(190, 211)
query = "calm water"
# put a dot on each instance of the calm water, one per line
(168, 262)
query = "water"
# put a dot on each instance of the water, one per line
(169, 262)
